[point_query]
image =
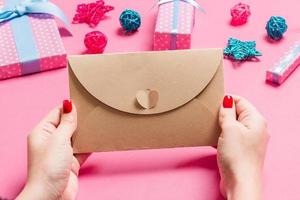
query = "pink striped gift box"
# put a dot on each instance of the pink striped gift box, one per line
(174, 25)
(286, 65)
(38, 47)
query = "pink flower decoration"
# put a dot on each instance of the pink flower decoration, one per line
(91, 13)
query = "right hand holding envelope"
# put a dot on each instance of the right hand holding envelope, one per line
(241, 149)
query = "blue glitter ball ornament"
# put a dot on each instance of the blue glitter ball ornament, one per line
(130, 20)
(276, 27)
(240, 50)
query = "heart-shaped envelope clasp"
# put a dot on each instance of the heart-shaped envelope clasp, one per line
(147, 98)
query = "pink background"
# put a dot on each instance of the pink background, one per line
(189, 173)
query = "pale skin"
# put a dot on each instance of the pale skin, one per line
(53, 169)
(241, 150)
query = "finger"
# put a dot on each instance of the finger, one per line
(82, 157)
(243, 105)
(78, 160)
(247, 113)
(49, 123)
(227, 113)
(68, 120)
(52, 117)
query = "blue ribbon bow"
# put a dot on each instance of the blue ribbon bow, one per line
(192, 2)
(33, 7)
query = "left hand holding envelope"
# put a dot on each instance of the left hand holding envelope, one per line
(52, 167)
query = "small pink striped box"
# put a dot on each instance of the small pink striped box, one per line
(174, 26)
(46, 42)
(285, 67)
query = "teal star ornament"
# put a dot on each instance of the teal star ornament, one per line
(241, 50)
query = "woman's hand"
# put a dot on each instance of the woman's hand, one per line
(241, 149)
(52, 167)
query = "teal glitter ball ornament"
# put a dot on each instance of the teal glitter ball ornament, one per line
(130, 20)
(276, 27)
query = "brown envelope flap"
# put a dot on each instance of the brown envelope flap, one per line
(117, 79)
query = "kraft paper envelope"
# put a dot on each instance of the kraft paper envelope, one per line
(146, 100)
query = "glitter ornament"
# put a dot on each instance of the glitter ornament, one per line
(130, 20)
(240, 50)
(240, 13)
(95, 42)
(276, 27)
(91, 13)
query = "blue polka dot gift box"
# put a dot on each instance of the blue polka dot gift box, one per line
(174, 24)
(29, 37)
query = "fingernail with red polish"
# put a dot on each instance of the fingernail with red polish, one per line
(228, 101)
(67, 106)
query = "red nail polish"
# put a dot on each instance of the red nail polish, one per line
(67, 106)
(228, 101)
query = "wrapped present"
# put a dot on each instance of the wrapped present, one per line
(29, 38)
(174, 24)
(286, 65)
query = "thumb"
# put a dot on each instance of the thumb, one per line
(227, 112)
(68, 120)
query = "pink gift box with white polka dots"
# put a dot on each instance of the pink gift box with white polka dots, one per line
(51, 53)
(174, 26)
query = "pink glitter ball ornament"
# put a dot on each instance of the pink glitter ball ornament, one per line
(240, 13)
(95, 42)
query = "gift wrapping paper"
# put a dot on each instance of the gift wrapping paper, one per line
(174, 25)
(286, 65)
(29, 44)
